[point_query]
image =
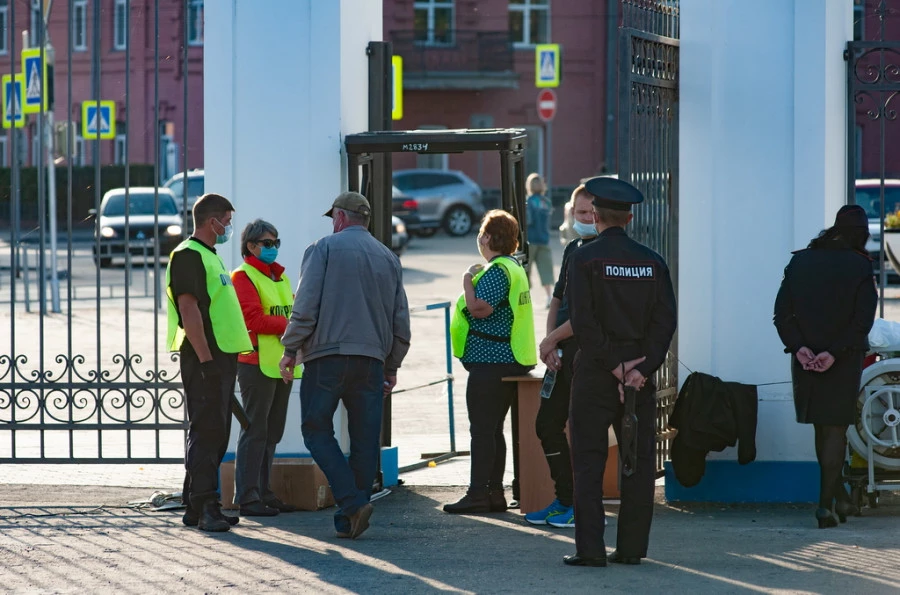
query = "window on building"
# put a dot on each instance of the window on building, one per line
(79, 25)
(434, 21)
(120, 25)
(432, 161)
(529, 22)
(37, 23)
(4, 143)
(4, 27)
(534, 153)
(121, 141)
(195, 22)
(859, 20)
(78, 157)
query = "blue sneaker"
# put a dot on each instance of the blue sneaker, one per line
(543, 517)
(565, 520)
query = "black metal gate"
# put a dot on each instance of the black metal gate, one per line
(873, 163)
(84, 374)
(648, 152)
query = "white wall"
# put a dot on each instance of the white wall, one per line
(762, 166)
(284, 81)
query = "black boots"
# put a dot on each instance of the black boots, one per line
(497, 501)
(212, 519)
(472, 502)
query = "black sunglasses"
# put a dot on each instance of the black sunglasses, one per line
(269, 243)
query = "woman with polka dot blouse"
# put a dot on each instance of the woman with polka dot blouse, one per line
(493, 335)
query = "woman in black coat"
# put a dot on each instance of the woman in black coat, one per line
(823, 313)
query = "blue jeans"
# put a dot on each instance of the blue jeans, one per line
(357, 382)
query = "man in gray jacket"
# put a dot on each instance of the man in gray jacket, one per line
(350, 328)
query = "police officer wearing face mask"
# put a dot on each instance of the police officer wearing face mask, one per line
(553, 414)
(622, 307)
(206, 327)
(266, 297)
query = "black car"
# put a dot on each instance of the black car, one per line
(149, 217)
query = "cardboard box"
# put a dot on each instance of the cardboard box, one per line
(296, 481)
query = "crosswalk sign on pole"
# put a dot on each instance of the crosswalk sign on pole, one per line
(12, 100)
(397, 87)
(35, 69)
(546, 65)
(96, 119)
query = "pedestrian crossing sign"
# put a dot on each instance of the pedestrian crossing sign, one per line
(546, 65)
(96, 118)
(12, 98)
(35, 69)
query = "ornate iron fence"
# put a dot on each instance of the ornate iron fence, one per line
(873, 83)
(648, 153)
(85, 382)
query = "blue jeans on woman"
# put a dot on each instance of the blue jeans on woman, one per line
(357, 382)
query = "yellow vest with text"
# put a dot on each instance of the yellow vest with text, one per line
(225, 313)
(277, 299)
(521, 339)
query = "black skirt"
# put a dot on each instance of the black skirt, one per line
(828, 398)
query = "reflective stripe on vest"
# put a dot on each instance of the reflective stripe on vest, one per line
(225, 313)
(521, 339)
(276, 299)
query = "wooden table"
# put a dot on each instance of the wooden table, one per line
(535, 484)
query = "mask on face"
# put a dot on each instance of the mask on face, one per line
(584, 229)
(221, 239)
(268, 255)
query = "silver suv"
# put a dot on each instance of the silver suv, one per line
(195, 183)
(446, 198)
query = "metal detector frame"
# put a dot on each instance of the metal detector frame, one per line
(369, 172)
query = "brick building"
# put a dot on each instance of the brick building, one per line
(115, 32)
(470, 64)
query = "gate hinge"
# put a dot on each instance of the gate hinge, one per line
(846, 55)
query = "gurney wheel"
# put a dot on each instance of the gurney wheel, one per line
(873, 500)
(856, 496)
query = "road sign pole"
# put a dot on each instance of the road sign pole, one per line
(549, 157)
(51, 207)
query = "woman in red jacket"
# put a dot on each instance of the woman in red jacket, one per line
(266, 300)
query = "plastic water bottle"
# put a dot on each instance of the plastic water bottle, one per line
(549, 380)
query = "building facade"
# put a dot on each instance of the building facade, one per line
(117, 31)
(471, 64)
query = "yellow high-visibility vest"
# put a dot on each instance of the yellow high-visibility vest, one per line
(521, 340)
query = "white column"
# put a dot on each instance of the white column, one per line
(762, 165)
(284, 81)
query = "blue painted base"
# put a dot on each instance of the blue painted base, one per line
(760, 481)
(390, 466)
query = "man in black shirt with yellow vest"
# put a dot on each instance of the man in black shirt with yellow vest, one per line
(622, 307)
(207, 328)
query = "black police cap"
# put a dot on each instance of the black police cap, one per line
(610, 193)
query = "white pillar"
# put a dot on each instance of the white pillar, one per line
(762, 166)
(284, 81)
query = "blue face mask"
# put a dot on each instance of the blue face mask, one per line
(584, 229)
(229, 230)
(268, 255)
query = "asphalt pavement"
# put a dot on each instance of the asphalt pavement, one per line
(67, 528)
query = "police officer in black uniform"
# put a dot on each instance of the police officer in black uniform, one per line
(622, 307)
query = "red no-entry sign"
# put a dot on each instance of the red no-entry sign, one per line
(546, 104)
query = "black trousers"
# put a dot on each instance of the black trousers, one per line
(488, 399)
(209, 418)
(265, 400)
(550, 426)
(595, 405)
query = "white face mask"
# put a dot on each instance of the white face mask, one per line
(584, 229)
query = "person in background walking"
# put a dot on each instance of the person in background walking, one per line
(824, 311)
(350, 327)
(492, 333)
(206, 327)
(553, 414)
(539, 209)
(266, 297)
